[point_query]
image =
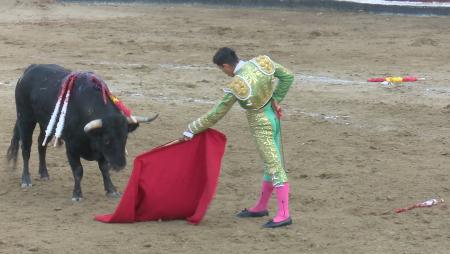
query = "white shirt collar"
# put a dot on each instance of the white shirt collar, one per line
(239, 66)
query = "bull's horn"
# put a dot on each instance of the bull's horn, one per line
(94, 124)
(141, 119)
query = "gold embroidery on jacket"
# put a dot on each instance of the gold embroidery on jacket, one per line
(264, 64)
(240, 88)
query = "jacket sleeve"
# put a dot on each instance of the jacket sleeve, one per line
(285, 80)
(214, 115)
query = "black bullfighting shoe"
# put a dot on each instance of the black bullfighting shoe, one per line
(248, 214)
(271, 224)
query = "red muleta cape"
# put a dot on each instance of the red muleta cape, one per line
(172, 182)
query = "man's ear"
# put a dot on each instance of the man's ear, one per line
(227, 66)
(132, 127)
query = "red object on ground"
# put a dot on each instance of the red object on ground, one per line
(409, 79)
(394, 79)
(427, 203)
(176, 181)
(376, 79)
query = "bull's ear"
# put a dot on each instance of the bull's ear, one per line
(132, 127)
(95, 132)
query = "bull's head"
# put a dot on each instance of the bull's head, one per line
(109, 136)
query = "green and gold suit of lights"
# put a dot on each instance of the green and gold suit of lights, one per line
(253, 88)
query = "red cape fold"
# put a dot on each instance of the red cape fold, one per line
(170, 182)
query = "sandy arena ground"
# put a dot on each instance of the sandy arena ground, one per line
(355, 150)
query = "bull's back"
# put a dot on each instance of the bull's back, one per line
(37, 90)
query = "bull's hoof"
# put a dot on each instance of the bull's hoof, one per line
(77, 199)
(44, 175)
(26, 181)
(26, 185)
(114, 194)
(45, 178)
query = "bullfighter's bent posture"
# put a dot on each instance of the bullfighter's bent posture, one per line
(252, 87)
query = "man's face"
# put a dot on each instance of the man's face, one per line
(227, 69)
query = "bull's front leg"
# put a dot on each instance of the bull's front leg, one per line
(77, 170)
(110, 189)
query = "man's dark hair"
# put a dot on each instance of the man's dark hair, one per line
(225, 56)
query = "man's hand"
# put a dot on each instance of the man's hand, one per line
(277, 108)
(187, 135)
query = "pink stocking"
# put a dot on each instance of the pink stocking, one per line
(266, 192)
(283, 203)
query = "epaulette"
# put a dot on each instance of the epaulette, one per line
(239, 87)
(264, 64)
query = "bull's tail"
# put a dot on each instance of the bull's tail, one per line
(13, 149)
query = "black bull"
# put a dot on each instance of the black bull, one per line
(93, 130)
